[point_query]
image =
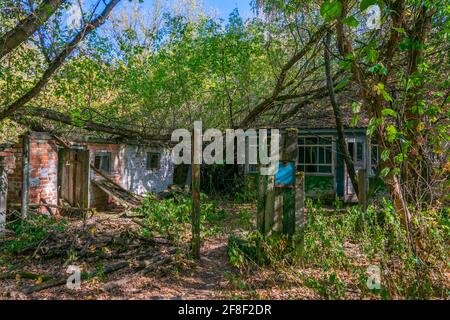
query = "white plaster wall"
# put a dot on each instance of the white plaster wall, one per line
(138, 179)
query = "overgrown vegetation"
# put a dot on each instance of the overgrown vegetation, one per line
(172, 217)
(344, 245)
(29, 233)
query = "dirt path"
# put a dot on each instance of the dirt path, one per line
(204, 280)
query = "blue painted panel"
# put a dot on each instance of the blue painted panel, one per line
(285, 173)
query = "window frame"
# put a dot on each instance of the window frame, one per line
(303, 165)
(148, 157)
(102, 155)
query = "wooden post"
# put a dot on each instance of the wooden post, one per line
(25, 175)
(290, 153)
(3, 194)
(196, 150)
(269, 206)
(300, 216)
(262, 180)
(362, 189)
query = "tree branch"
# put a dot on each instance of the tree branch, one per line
(26, 27)
(58, 61)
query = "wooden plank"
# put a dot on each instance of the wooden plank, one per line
(262, 186)
(269, 209)
(84, 168)
(196, 211)
(289, 211)
(300, 216)
(25, 175)
(3, 195)
(64, 174)
(278, 210)
(196, 149)
(286, 196)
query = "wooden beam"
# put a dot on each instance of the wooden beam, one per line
(300, 216)
(25, 175)
(3, 194)
(262, 181)
(196, 148)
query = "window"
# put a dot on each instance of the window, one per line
(356, 151)
(153, 160)
(316, 155)
(102, 161)
(374, 158)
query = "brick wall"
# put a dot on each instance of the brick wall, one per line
(43, 171)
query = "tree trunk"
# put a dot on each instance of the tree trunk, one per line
(338, 117)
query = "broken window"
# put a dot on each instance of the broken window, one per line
(316, 155)
(153, 160)
(102, 161)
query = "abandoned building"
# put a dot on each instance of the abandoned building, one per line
(86, 174)
(320, 158)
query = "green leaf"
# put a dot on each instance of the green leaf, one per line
(351, 22)
(355, 120)
(372, 54)
(385, 155)
(342, 84)
(331, 9)
(400, 30)
(391, 133)
(379, 88)
(367, 3)
(389, 112)
(399, 158)
(379, 68)
(356, 107)
(385, 172)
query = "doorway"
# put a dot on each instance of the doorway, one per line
(73, 177)
(357, 150)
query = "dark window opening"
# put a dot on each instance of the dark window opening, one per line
(102, 161)
(153, 160)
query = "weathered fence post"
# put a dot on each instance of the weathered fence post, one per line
(3, 194)
(300, 200)
(300, 215)
(362, 189)
(269, 206)
(25, 175)
(262, 180)
(196, 161)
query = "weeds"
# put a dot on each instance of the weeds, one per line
(172, 217)
(346, 244)
(29, 233)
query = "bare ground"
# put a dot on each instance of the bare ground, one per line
(155, 269)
